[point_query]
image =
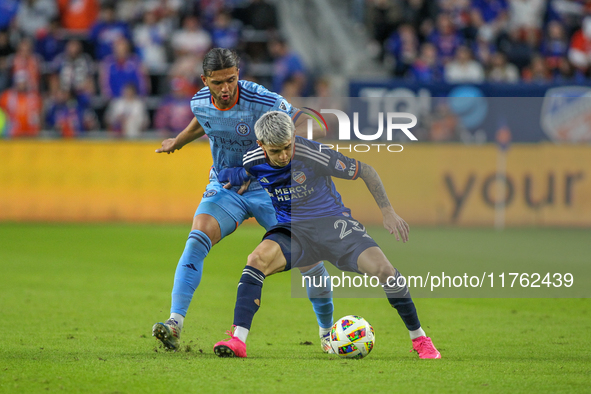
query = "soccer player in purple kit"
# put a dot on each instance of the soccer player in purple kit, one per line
(226, 109)
(313, 224)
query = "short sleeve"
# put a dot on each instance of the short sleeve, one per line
(283, 105)
(341, 166)
(325, 160)
(252, 158)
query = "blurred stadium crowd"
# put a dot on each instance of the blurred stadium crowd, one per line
(72, 66)
(499, 41)
(68, 67)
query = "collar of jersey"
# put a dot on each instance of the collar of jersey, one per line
(227, 109)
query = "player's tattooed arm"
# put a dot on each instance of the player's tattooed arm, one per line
(392, 222)
(374, 185)
(318, 130)
(193, 131)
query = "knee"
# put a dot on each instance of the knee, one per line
(385, 271)
(209, 226)
(259, 261)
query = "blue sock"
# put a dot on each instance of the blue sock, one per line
(248, 299)
(320, 296)
(399, 298)
(188, 271)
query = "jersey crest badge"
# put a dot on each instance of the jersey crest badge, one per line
(283, 106)
(299, 177)
(340, 165)
(242, 129)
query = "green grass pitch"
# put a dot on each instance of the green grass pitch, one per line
(77, 303)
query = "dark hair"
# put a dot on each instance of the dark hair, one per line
(220, 59)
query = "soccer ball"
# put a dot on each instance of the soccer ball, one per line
(352, 337)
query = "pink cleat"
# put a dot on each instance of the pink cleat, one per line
(233, 347)
(424, 347)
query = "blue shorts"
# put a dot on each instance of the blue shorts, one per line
(230, 209)
(338, 239)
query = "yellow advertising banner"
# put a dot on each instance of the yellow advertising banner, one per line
(101, 181)
(544, 184)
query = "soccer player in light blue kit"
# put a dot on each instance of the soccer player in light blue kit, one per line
(226, 109)
(313, 224)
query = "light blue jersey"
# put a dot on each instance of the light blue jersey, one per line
(231, 131)
(231, 134)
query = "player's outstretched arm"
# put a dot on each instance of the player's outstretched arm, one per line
(318, 130)
(392, 222)
(190, 133)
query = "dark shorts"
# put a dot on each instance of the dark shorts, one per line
(337, 239)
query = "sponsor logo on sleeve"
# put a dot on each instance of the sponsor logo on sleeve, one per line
(352, 169)
(339, 165)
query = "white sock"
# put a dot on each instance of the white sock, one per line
(178, 318)
(417, 333)
(241, 333)
(323, 331)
